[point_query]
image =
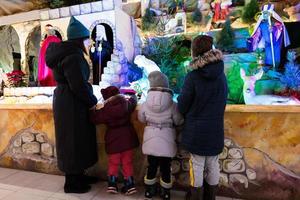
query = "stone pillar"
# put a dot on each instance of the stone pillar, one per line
(23, 30)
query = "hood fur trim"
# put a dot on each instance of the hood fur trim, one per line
(211, 56)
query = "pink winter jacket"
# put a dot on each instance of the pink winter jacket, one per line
(161, 115)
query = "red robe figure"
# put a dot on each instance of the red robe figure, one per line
(45, 75)
(221, 9)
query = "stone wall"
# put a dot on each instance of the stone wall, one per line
(260, 159)
(28, 143)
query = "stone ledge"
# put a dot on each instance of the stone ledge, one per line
(229, 108)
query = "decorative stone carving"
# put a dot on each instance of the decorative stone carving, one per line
(27, 137)
(40, 138)
(17, 150)
(18, 142)
(235, 153)
(220, 165)
(238, 178)
(227, 142)
(251, 174)
(47, 149)
(31, 147)
(31, 144)
(224, 153)
(224, 179)
(234, 165)
(36, 155)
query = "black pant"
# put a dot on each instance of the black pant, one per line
(163, 163)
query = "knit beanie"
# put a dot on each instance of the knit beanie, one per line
(201, 44)
(77, 30)
(158, 79)
(109, 92)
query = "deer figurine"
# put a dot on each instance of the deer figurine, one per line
(252, 99)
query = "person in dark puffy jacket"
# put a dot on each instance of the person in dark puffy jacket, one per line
(202, 102)
(75, 135)
(161, 116)
(120, 136)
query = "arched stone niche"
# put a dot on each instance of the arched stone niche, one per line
(23, 30)
(106, 24)
(107, 48)
(58, 32)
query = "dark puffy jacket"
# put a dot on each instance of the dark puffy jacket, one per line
(202, 103)
(75, 134)
(116, 114)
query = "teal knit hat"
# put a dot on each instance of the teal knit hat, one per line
(77, 30)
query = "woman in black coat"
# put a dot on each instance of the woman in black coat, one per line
(73, 97)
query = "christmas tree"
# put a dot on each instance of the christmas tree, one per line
(147, 20)
(225, 38)
(291, 76)
(196, 16)
(250, 11)
(235, 85)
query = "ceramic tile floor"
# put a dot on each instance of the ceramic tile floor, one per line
(24, 185)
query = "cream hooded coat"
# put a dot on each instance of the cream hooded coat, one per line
(161, 115)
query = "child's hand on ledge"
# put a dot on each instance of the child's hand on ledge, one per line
(99, 106)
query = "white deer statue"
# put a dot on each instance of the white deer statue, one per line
(252, 99)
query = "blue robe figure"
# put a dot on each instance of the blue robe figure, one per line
(105, 57)
(264, 35)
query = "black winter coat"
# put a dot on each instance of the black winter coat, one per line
(202, 103)
(75, 134)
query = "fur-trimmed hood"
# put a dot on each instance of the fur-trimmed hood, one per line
(210, 64)
(211, 56)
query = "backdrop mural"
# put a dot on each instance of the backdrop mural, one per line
(259, 160)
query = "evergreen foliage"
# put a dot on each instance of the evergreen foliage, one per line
(148, 20)
(170, 55)
(61, 3)
(225, 38)
(235, 85)
(56, 3)
(250, 11)
(196, 16)
(291, 76)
